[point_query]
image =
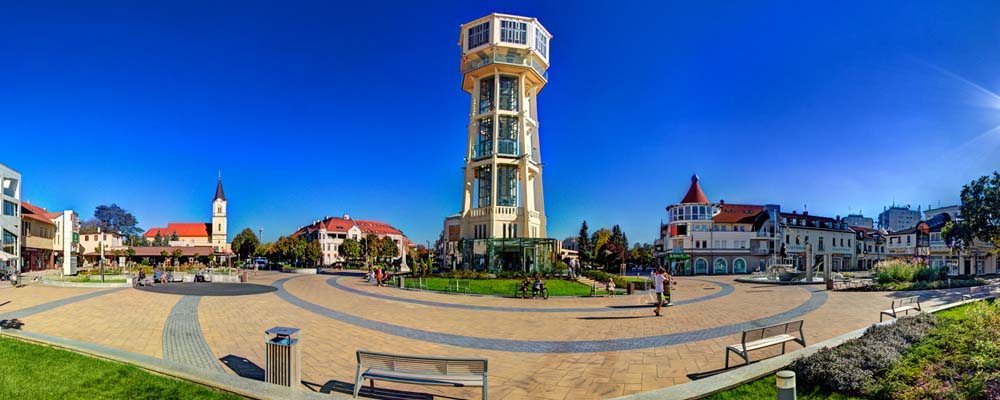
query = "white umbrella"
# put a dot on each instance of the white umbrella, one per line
(5, 256)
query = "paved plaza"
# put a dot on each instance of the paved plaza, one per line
(561, 348)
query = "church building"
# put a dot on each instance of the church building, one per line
(199, 233)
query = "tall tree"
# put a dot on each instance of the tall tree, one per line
(158, 239)
(350, 249)
(245, 243)
(980, 214)
(112, 218)
(583, 245)
(173, 237)
(311, 251)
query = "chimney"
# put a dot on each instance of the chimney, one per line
(722, 202)
(347, 216)
(794, 212)
(805, 213)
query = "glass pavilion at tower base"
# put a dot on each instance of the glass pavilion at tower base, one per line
(512, 254)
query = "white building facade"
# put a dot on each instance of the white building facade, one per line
(828, 238)
(10, 219)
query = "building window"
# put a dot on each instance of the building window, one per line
(10, 187)
(509, 93)
(507, 135)
(720, 266)
(484, 147)
(486, 94)
(9, 208)
(507, 185)
(9, 242)
(479, 35)
(514, 32)
(700, 266)
(739, 266)
(541, 43)
(484, 180)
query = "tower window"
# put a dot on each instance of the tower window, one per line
(484, 146)
(479, 35)
(508, 93)
(484, 180)
(507, 185)
(507, 136)
(486, 95)
(541, 43)
(218, 210)
(514, 32)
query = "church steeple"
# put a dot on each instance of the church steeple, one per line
(219, 193)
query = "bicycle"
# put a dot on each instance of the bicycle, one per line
(543, 292)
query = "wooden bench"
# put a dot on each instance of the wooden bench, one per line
(976, 292)
(759, 338)
(438, 371)
(902, 305)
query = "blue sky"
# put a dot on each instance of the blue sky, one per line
(319, 108)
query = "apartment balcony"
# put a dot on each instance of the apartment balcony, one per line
(500, 212)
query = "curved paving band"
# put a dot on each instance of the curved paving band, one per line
(817, 298)
(725, 290)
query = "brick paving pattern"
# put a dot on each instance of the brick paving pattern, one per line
(533, 353)
(183, 341)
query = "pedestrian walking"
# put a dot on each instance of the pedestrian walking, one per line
(659, 276)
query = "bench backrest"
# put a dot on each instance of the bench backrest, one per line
(905, 301)
(417, 364)
(773, 330)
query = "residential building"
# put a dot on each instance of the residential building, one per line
(10, 219)
(823, 237)
(91, 242)
(869, 246)
(701, 237)
(924, 243)
(860, 221)
(504, 62)
(51, 239)
(897, 218)
(331, 232)
(200, 233)
(447, 244)
(38, 233)
(955, 212)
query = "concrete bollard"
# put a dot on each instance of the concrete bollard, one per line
(785, 381)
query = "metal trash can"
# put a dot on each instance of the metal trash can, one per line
(245, 276)
(282, 364)
(630, 288)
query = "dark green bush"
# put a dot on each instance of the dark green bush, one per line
(851, 367)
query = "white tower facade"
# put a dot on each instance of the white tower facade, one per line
(504, 63)
(219, 228)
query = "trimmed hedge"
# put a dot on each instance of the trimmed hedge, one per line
(852, 367)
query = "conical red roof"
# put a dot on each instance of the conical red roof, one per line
(694, 194)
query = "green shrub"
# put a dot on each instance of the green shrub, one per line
(852, 367)
(602, 278)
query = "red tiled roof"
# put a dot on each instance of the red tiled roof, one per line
(38, 217)
(183, 229)
(377, 227)
(863, 229)
(737, 213)
(695, 194)
(33, 209)
(338, 224)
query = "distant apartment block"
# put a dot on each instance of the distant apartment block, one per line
(897, 218)
(860, 220)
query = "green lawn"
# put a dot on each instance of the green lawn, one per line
(30, 371)
(956, 344)
(504, 287)
(764, 388)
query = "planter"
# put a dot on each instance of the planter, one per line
(98, 284)
(220, 278)
(307, 271)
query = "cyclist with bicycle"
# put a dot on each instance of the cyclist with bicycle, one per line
(538, 287)
(525, 284)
